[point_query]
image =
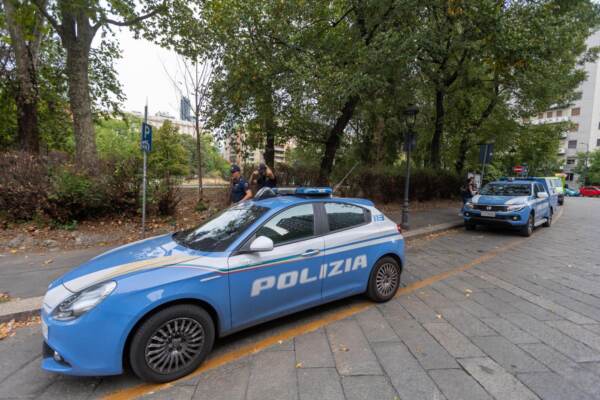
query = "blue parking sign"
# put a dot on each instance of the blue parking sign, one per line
(146, 137)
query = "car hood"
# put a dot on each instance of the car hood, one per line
(499, 200)
(156, 252)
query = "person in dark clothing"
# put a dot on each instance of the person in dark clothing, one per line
(264, 177)
(468, 190)
(240, 189)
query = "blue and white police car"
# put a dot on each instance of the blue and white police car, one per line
(520, 204)
(159, 304)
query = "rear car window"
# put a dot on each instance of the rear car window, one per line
(343, 216)
(293, 224)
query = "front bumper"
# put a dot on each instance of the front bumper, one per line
(501, 218)
(91, 345)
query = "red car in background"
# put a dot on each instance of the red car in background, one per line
(590, 191)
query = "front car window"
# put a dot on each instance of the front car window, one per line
(290, 225)
(218, 233)
(506, 189)
(342, 216)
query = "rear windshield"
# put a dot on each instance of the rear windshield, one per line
(506, 189)
(218, 233)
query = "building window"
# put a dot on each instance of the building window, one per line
(570, 161)
(549, 114)
(540, 115)
(572, 144)
(574, 128)
(575, 111)
(598, 142)
(559, 113)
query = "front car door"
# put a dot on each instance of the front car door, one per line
(541, 205)
(264, 285)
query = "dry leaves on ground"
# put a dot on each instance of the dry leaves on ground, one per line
(7, 329)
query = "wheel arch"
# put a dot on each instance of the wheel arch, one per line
(394, 256)
(193, 301)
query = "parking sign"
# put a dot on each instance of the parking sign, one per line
(146, 137)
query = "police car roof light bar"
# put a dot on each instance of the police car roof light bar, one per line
(266, 193)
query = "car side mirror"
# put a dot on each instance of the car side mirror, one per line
(261, 243)
(542, 195)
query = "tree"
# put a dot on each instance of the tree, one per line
(25, 25)
(77, 22)
(192, 82)
(588, 166)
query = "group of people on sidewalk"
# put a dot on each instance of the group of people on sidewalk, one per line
(240, 187)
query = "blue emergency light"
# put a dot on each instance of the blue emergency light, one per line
(266, 192)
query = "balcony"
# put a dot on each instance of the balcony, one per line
(562, 151)
(551, 120)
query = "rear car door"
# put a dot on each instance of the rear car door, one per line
(264, 285)
(347, 255)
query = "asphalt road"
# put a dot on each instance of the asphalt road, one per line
(483, 315)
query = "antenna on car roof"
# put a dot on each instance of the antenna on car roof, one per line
(339, 184)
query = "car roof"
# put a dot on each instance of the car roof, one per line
(519, 181)
(279, 202)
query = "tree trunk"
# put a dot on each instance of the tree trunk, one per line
(27, 96)
(76, 34)
(463, 147)
(199, 153)
(434, 155)
(333, 140)
(269, 128)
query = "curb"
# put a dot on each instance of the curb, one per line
(22, 309)
(428, 230)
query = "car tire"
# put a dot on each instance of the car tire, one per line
(548, 222)
(384, 280)
(182, 334)
(527, 230)
(470, 226)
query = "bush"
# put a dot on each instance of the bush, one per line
(387, 184)
(24, 185)
(164, 197)
(73, 196)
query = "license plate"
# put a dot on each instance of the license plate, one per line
(45, 330)
(490, 214)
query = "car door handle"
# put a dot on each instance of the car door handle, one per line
(311, 252)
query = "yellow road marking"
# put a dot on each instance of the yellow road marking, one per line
(146, 388)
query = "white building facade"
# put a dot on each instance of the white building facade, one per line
(584, 114)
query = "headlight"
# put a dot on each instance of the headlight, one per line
(516, 207)
(469, 205)
(82, 302)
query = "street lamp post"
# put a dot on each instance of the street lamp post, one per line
(410, 116)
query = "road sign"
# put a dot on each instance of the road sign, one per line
(517, 169)
(146, 137)
(486, 152)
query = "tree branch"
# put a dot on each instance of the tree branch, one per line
(41, 5)
(131, 21)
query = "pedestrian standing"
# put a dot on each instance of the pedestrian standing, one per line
(468, 190)
(264, 177)
(240, 189)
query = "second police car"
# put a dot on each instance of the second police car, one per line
(522, 204)
(159, 304)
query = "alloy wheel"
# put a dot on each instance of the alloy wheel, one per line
(174, 345)
(387, 279)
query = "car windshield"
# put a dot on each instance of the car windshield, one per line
(506, 189)
(218, 233)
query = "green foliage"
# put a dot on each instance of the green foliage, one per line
(592, 172)
(213, 164)
(168, 156)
